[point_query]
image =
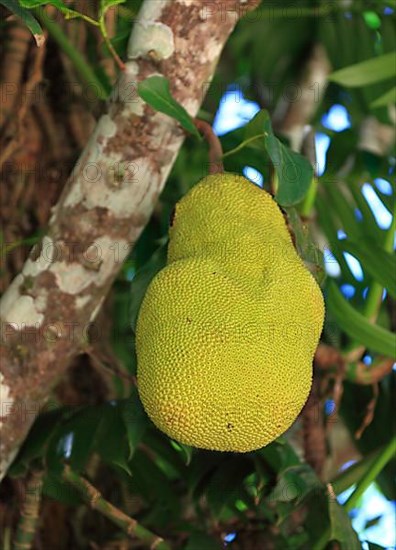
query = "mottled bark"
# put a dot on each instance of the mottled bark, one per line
(107, 201)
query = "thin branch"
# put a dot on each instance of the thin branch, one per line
(215, 147)
(369, 415)
(327, 357)
(130, 526)
(35, 77)
(369, 374)
(84, 70)
(27, 524)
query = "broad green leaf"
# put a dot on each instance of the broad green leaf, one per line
(385, 99)
(366, 72)
(110, 440)
(59, 4)
(36, 442)
(357, 326)
(343, 205)
(306, 247)
(107, 4)
(135, 420)
(185, 450)
(256, 130)
(380, 264)
(340, 526)
(143, 278)
(57, 489)
(354, 473)
(73, 440)
(294, 484)
(328, 225)
(19, 10)
(225, 484)
(155, 91)
(294, 172)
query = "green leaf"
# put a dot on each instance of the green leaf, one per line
(380, 264)
(294, 172)
(185, 450)
(143, 278)
(366, 72)
(306, 246)
(107, 4)
(19, 10)
(73, 440)
(225, 484)
(385, 99)
(294, 484)
(110, 440)
(373, 546)
(357, 326)
(61, 6)
(135, 421)
(59, 490)
(201, 541)
(256, 130)
(340, 526)
(354, 473)
(35, 444)
(155, 91)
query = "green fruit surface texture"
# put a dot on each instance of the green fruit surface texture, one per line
(227, 331)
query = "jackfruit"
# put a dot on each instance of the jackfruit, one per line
(227, 331)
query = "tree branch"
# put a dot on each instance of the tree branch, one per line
(105, 205)
(130, 526)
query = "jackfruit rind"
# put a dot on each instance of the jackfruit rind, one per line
(227, 330)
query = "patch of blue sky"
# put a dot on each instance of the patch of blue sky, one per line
(65, 445)
(234, 111)
(354, 266)
(337, 118)
(332, 267)
(253, 175)
(373, 504)
(229, 537)
(348, 290)
(382, 215)
(322, 143)
(383, 186)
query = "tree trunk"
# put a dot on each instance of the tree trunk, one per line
(106, 202)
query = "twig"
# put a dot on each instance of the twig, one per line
(369, 415)
(82, 67)
(215, 148)
(113, 369)
(327, 357)
(27, 524)
(130, 526)
(103, 30)
(35, 78)
(314, 430)
(369, 374)
(15, 49)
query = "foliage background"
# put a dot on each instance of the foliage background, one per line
(276, 497)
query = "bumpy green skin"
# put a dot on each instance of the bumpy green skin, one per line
(227, 330)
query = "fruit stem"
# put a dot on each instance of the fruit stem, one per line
(215, 147)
